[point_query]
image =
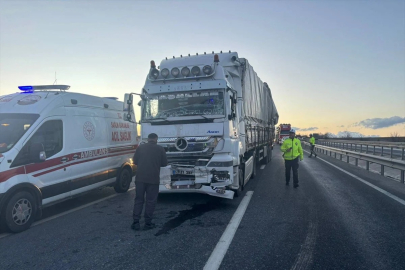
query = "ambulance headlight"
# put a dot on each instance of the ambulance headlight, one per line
(195, 71)
(165, 72)
(185, 71)
(207, 70)
(154, 73)
(175, 72)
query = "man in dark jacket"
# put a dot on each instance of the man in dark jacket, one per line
(149, 158)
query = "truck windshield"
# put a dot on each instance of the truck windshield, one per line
(12, 128)
(285, 132)
(183, 104)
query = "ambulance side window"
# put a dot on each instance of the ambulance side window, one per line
(50, 135)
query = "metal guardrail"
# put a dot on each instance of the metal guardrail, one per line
(348, 144)
(383, 161)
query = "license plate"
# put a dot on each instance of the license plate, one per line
(184, 172)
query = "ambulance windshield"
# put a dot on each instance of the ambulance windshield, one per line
(184, 104)
(12, 127)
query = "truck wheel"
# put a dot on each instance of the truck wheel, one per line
(269, 154)
(20, 211)
(254, 168)
(123, 181)
(238, 192)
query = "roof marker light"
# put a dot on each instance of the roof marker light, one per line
(216, 58)
(26, 88)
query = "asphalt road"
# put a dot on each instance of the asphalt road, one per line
(332, 221)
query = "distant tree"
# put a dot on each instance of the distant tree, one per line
(345, 134)
(328, 135)
(395, 136)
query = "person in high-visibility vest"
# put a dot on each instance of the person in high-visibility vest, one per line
(292, 155)
(312, 142)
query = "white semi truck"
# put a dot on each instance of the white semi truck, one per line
(215, 118)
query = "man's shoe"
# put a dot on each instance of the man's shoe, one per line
(149, 226)
(309, 156)
(316, 155)
(136, 226)
(287, 184)
(296, 185)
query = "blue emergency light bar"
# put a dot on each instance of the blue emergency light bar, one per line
(31, 88)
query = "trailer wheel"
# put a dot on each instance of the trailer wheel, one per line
(20, 211)
(238, 192)
(123, 181)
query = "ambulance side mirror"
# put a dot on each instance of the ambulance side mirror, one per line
(128, 117)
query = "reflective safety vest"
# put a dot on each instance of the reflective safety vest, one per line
(296, 149)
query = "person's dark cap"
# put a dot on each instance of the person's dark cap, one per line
(152, 136)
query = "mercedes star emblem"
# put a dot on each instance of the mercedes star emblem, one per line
(181, 144)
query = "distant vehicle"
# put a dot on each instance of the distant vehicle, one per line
(55, 145)
(215, 118)
(283, 132)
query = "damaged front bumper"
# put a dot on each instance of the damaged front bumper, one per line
(199, 188)
(196, 179)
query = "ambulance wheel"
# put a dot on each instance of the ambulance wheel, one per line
(20, 211)
(238, 192)
(123, 181)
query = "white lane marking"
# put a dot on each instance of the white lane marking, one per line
(222, 246)
(67, 212)
(365, 182)
(262, 167)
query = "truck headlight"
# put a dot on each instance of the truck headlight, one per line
(175, 72)
(165, 72)
(185, 71)
(207, 70)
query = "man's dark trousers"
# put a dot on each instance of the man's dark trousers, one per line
(294, 165)
(152, 191)
(312, 150)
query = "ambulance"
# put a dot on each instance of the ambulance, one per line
(55, 145)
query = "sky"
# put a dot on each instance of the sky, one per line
(332, 66)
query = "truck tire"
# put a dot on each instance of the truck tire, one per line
(238, 192)
(20, 211)
(269, 154)
(254, 172)
(123, 181)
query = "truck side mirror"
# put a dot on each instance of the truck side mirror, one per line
(128, 100)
